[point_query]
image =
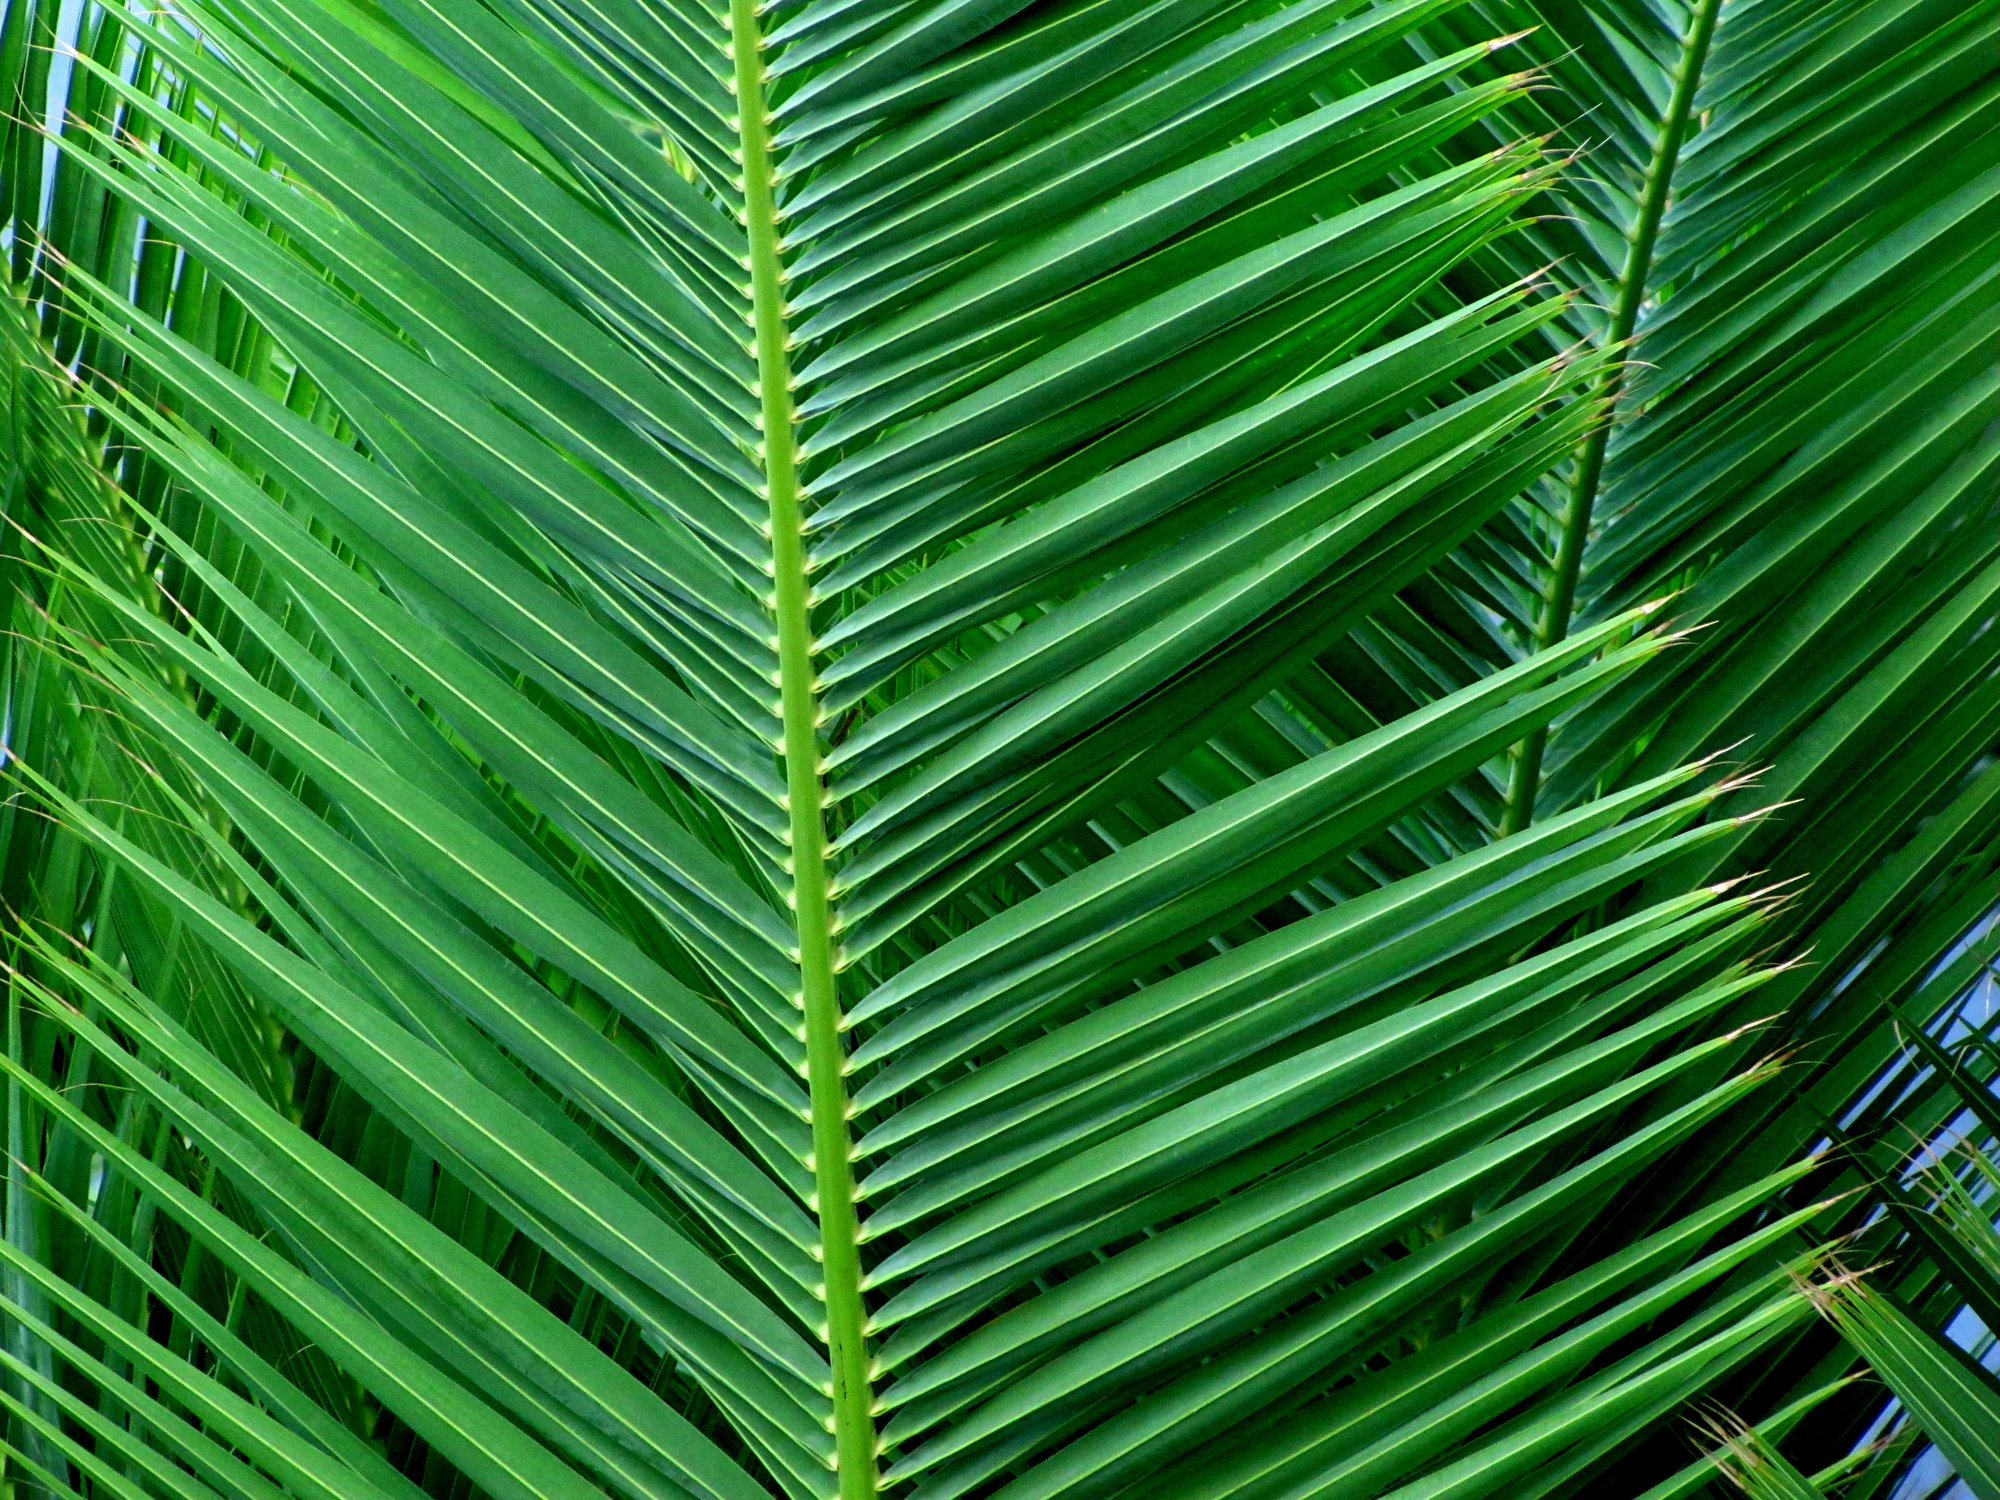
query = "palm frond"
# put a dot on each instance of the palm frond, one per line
(803, 751)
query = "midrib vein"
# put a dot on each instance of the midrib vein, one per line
(1559, 598)
(826, 1058)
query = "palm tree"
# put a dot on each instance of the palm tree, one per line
(972, 748)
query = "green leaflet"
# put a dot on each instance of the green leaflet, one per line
(429, 1083)
(1238, 831)
(1326, 1184)
(1150, 332)
(1097, 514)
(1235, 1299)
(498, 595)
(712, 901)
(1486, 1367)
(939, 1297)
(1959, 1409)
(1107, 672)
(296, 1444)
(420, 926)
(1182, 106)
(1304, 1084)
(500, 889)
(1105, 236)
(506, 1459)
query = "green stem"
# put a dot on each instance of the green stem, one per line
(826, 1057)
(1559, 601)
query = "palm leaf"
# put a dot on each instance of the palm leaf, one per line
(771, 753)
